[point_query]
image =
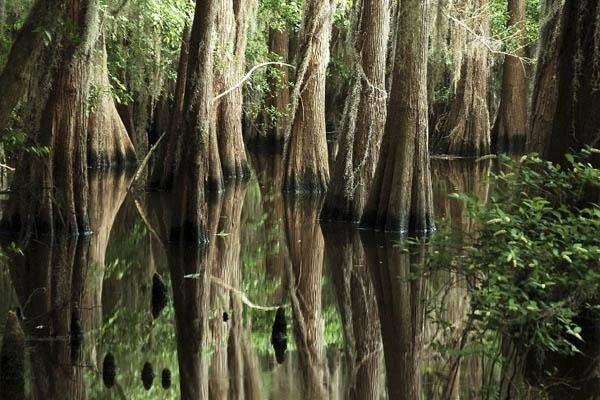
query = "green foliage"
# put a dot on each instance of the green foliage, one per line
(143, 43)
(535, 258)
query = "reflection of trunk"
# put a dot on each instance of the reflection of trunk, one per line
(165, 160)
(24, 53)
(307, 167)
(233, 18)
(50, 282)
(401, 312)
(364, 117)
(360, 320)
(108, 142)
(106, 195)
(459, 176)
(400, 197)
(304, 276)
(191, 300)
(12, 359)
(510, 129)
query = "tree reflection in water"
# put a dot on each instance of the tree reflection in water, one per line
(359, 321)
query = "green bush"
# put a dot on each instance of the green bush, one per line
(534, 260)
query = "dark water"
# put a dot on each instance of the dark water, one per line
(189, 322)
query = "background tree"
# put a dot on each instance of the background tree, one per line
(545, 89)
(307, 167)
(233, 19)
(510, 129)
(364, 117)
(468, 124)
(197, 153)
(577, 121)
(401, 197)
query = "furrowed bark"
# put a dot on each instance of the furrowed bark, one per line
(364, 119)
(401, 196)
(307, 166)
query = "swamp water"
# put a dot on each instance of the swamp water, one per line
(124, 314)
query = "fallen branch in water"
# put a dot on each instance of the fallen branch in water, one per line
(237, 292)
(248, 75)
(145, 161)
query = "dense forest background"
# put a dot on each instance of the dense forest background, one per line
(334, 111)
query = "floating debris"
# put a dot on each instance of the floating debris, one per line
(225, 316)
(166, 378)
(279, 335)
(12, 360)
(109, 369)
(147, 375)
(159, 295)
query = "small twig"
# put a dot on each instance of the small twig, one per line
(8, 167)
(145, 161)
(241, 294)
(248, 75)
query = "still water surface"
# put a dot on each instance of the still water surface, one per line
(188, 322)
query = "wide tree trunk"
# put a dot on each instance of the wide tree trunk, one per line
(198, 168)
(545, 89)
(233, 18)
(278, 97)
(510, 129)
(577, 120)
(468, 123)
(109, 144)
(364, 119)
(28, 46)
(51, 187)
(307, 166)
(401, 196)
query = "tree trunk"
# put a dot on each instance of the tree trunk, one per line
(51, 189)
(307, 167)
(468, 123)
(167, 154)
(198, 168)
(232, 23)
(545, 90)
(278, 98)
(401, 196)
(364, 118)
(24, 53)
(577, 121)
(510, 129)
(109, 144)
